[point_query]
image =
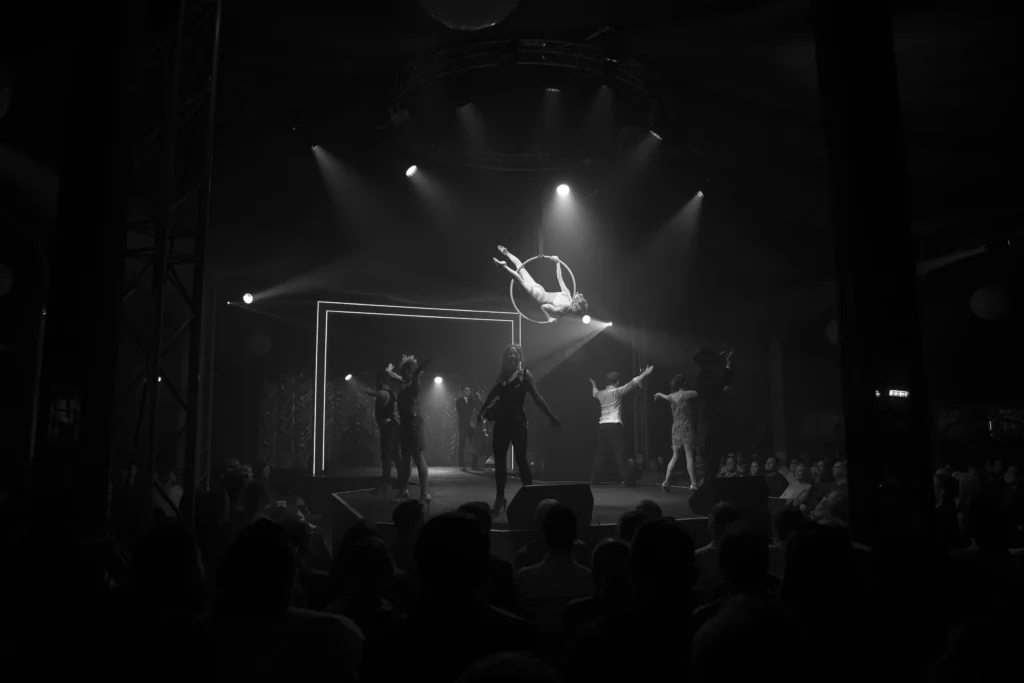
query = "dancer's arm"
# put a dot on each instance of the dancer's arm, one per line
(390, 370)
(593, 385)
(422, 366)
(635, 382)
(531, 386)
(487, 402)
(728, 374)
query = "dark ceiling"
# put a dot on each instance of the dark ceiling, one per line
(741, 77)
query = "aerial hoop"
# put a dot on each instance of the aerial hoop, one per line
(512, 290)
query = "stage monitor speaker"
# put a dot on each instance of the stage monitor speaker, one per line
(749, 494)
(577, 497)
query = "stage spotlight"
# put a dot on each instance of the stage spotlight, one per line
(700, 194)
(655, 135)
(247, 298)
(348, 377)
(586, 320)
(411, 171)
(553, 90)
(438, 380)
(608, 324)
(562, 190)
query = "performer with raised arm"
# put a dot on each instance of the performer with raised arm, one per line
(684, 430)
(385, 411)
(504, 405)
(411, 424)
(554, 305)
(611, 433)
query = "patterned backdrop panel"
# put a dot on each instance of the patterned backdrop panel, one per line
(351, 437)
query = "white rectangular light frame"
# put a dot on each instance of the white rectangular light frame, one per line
(326, 308)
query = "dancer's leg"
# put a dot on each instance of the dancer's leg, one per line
(385, 459)
(691, 463)
(463, 438)
(511, 257)
(617, 439)
(405, 469)
(519, 454)
(671, 467)
(500, 444)
(602, 449)
(522, 276)
(422, 471)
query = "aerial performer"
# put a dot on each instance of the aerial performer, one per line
(554, 305)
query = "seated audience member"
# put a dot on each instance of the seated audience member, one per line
(510, 667)
(255, 585)
(786, 522)
(777, 483)
(545, 588)
(743, 565)
(835, 510)
(800, 484)
(407, 518)
(611, 596)
(534, 551)
(650, 508)
(812, 501)
(651, 641)
(785, 465)
(947, 523)
(987, 564)
(1013, 504)
(452, 628)
(728, 468)
(742, 465)
(314, 584)
(369, 572)
(755, 468)
(706, 558)
(501, 587)
(257, 501)
(629, 522)
(158, 635)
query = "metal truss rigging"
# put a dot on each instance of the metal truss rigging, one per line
(165, 301)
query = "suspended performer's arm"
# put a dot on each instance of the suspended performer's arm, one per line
(531, 386)
(487, 402)
(558, 272)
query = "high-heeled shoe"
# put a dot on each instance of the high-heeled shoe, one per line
(499, 505)
(425, 499)
(402, 497)
(666, 488)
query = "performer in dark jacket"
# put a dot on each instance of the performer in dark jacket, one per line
(464, 407)
(712, 383)
(385, 411)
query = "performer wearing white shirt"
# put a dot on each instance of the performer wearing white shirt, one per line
(611, 435)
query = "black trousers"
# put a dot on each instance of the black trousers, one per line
(466, 438)
(390, 438)
(514, 432)
(611, 440)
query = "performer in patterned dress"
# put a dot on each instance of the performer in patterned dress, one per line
(684, 432)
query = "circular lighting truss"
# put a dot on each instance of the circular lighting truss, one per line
(437, 64)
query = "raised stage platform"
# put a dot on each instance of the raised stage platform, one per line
(450, 488)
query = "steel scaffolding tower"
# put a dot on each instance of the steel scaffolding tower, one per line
(165, 266)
